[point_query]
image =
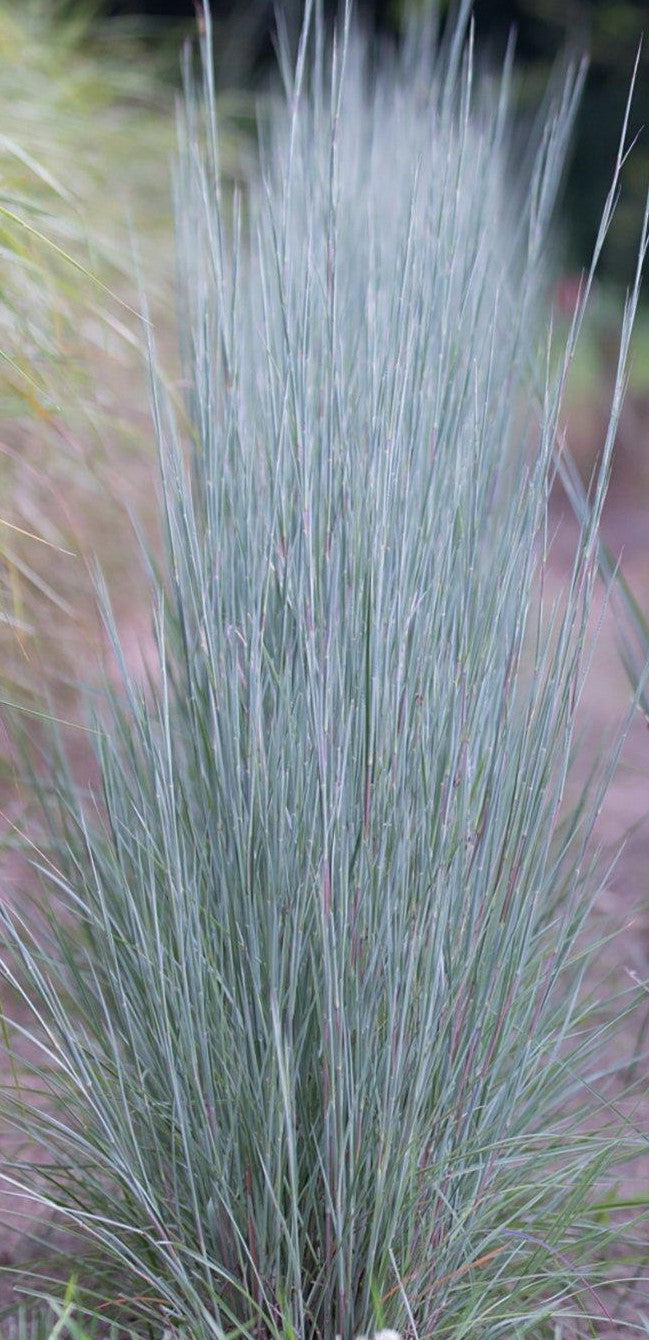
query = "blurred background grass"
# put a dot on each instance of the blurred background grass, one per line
(72, 379)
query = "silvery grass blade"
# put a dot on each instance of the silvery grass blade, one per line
(633, 627)
(309, 1045)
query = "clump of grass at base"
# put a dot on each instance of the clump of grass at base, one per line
(312, 1042)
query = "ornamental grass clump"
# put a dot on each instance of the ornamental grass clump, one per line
(314, 1055)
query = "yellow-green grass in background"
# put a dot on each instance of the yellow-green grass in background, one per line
(85, 138)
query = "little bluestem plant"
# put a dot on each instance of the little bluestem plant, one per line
(314, 1058)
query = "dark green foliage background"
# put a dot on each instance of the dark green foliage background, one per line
(610, 31)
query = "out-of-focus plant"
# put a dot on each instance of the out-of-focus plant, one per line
(86, 137)
(69, 379)
(314, 1056)
(67, 179)
(52, 1320)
